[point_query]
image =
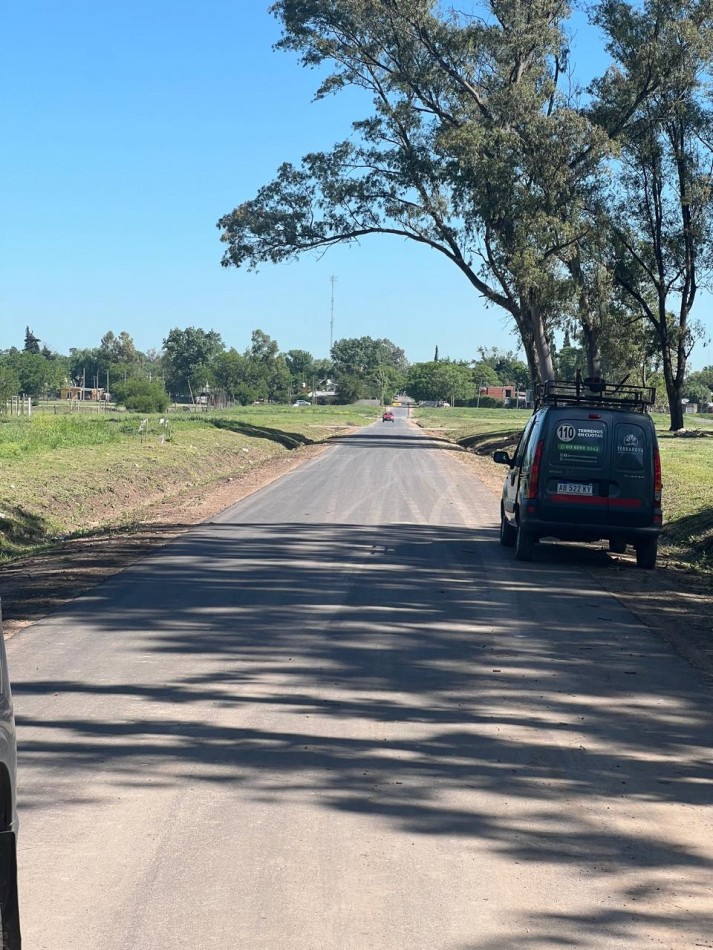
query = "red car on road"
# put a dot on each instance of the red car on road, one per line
(388, 416)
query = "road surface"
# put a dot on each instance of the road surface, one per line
(341, 717)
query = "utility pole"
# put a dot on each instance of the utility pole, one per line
(333, 280)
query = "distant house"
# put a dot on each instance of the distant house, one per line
(84, 392)
(508, 394)
(327, 392)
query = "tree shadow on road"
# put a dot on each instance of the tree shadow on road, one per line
(394, 438)
(475, 680)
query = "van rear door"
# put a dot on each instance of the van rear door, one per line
(575, 483)
(631, 488)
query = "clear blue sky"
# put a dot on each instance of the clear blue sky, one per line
(129, 129)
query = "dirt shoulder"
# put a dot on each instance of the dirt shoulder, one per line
(677, 605)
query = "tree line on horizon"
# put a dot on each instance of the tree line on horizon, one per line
(195, 364)
(584, 210)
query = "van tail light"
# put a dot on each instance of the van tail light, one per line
(534, 482)
(658, 485)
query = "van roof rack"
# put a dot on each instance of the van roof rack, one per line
(594, 391)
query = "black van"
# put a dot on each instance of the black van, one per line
(587, 467)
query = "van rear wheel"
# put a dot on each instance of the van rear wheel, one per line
(508, 534)
(524, 544)
(646, 554)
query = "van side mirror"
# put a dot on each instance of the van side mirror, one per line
(502, 458)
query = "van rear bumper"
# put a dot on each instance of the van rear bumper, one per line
(589, 532)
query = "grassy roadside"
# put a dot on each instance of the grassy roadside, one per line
(71, 475)
(687, 465)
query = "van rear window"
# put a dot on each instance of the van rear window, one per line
(578, 442)
(630, 441)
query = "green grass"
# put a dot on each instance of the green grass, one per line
(67, 474)
(687, 467)
(481, 430)
(71, 473)
(24, 436)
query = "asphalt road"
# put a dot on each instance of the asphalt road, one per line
(341, 717)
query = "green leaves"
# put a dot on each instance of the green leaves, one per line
(142, 395)
(660, 205)
(479, 146)
(188, 358)
(441, 380)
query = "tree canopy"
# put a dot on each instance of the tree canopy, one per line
(449, 158)
(660, 206)
(441, 380)
(32, 343)
(479, 146)
(188, 355)
(365, 367)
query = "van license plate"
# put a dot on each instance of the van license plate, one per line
(574, 488)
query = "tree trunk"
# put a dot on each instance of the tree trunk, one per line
(675, 407)
(590, 338)
(520, 317)
(590, 333)
(543, 350)
(531, 357)
(674, 386)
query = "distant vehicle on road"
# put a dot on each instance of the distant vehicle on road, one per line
(301, 402)
(388, 416)
(587, 467)
(9, 910)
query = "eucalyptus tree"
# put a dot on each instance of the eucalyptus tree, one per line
(471, 149)
(660, 200)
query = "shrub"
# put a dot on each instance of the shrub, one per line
(142, 395)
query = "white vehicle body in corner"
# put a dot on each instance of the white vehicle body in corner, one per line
(9, 913)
